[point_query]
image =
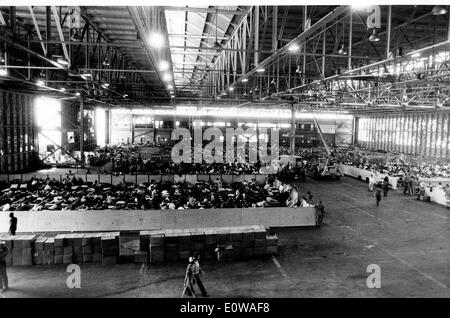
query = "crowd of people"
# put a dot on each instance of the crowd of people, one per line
(75, 194)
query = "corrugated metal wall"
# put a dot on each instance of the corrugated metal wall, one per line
(17, 138)
(421, 134)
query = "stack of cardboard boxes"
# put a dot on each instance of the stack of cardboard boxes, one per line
(232, 242)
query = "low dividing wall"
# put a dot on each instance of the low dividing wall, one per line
(121, 220)
(365, 175)
(140, 178)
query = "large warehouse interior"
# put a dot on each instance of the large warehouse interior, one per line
(294, 150)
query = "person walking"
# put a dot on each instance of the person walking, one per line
(198, 272)
(3, 275)
(189, 280)
(12, 224)
(378, 196)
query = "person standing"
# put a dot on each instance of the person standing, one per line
(371, 182)
(3, 276)
(12, 224)
(378, 196)
(198, 272)
(385, 186)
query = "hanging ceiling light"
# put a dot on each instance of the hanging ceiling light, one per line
(167, 77)
(156, 40)
(245, 80)
(75, 37)
(163, 66)
(261, 70)
(439, 10)
(2, 57)
(106, 62)
(62, 60)
(298, 70)
(342, 50)
(169, 87)
(374, 36)
(231, 89)
(62, 89)
(3, 72)
(293, 48)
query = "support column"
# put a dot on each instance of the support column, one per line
(388, 31)
(275, 29)
(350, 38)
(82, 132)
(256, 17)
(292, 129)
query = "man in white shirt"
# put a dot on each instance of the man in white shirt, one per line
(371, 182)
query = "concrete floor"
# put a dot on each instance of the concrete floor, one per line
(408, 239)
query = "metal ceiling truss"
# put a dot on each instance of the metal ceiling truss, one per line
(316, 74)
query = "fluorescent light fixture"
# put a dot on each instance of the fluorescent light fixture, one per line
(260, 69)
(167, 77)
(62, 89)
(231, 89)
(3, 72)
(77, 94)
(105, 85)
(163, 66)
(293, 48)
(245, 80)
(40, 82)
(156, 40)
(415, 55)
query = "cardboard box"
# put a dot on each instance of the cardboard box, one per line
(272, 240)
(59, 241)
(109, 260)
(87, 258)
(171, 248)
(97, 258)
(77, 253)
(49, 251)
(273, 249)
(109, 252)
(171, 257)
(86, 240)
(27, 257)
(260, 242)
(140, 256)
(38, 257)
(157, 240)
(156, 254)
(86, 249)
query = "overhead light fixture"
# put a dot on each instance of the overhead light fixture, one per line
(3, 72)
(105, 85)
(62, 89)
(374, 37)
(298, 70)
(125, 95)
(77, 94)
(156, 40)
(61, 60)
(40, 82)
(106, 62)
(415, 55)
(342, 50)
(293, 48)
(439, 10)
(261, 70)
(2, 57)
(231, 89)
(169, 87)
(163, 66)
(245, 80)
(167, 77)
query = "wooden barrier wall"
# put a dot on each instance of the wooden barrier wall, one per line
(121, 220)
